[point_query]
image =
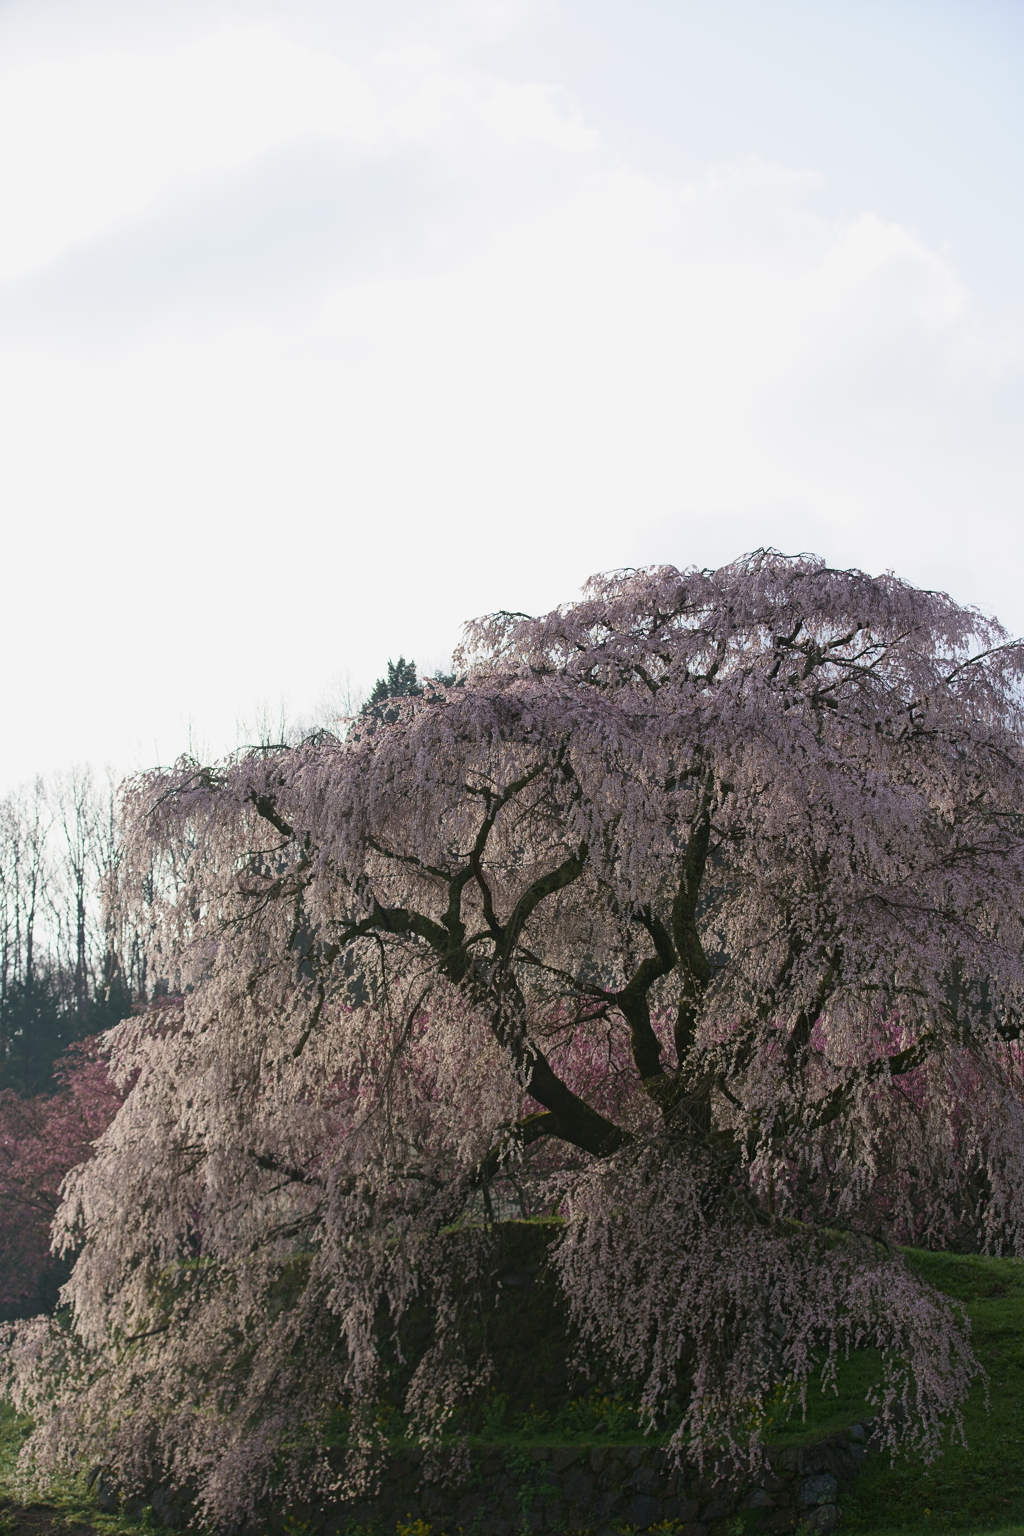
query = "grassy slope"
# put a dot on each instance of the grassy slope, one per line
(977, 1488)
(969, 1491)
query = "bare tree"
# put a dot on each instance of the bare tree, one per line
(69, 961)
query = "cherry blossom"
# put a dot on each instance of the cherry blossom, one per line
(701, 896)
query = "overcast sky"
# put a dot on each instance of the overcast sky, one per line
(327, 324)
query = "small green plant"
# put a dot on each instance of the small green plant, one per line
(495, 1415)
(534, 1421)
(775, 1411)
(388, 1420)
(599, 1414)
(522, 1464)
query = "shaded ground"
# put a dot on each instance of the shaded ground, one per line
(39, 1520)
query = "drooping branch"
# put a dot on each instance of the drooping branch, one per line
(514, 1140)
(837, 1101)
(799, 1037)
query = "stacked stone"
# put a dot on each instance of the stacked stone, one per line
(602, 1491)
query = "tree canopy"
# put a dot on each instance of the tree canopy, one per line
(696, 902)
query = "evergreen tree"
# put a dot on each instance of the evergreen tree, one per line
(400, 683)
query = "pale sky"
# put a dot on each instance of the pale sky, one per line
(328, 324)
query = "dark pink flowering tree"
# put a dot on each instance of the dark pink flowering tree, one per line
(42, 1139)
(705, 891)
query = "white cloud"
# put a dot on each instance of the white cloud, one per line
(317, 348)
(93, 141)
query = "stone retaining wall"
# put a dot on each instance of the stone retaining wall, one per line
(601, 1491)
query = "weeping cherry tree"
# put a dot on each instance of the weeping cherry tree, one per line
(700, 897)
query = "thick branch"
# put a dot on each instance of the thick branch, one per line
(555, 880)
(271, 1164)
(265, 807)
(834, 1103)
(580, 1125)
(696, 970)
(403, 920)
(633, 1003)
(577, 1123)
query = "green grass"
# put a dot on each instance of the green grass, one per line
(72, 1502)
(979, 1487)
(972, 1491)
(967, 1490)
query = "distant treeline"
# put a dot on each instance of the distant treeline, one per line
(70, 965)
(67, 969)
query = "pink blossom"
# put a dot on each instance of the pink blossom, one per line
(703, 894)
(42, 1139)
